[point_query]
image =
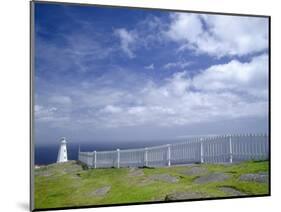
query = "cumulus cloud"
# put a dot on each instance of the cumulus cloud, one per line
(127, 40)
(220, 92)
(215, 35)
(219, 35)
(185, 27)
(236, 76)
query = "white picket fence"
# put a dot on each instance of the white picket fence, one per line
(219, 149)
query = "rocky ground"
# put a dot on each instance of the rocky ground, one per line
(70, 184)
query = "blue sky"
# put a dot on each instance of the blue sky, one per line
(126, 75)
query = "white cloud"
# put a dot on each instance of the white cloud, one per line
(149, 67)
(236, 76)
(112, 109)
(221, 92)
(136, 110)
(180, 64)
(44, 113)
(185, 27)
(178, 84)
(227, 91)
(219, 35)
(127, 40)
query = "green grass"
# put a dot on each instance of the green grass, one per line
(65, 185)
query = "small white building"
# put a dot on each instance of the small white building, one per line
(62, 155)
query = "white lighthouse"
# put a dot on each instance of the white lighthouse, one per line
(62, 155)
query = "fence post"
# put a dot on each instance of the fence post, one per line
(201, 150)
(169, 154)
(88, 159)
(95, 159)
(118, 158)
(230, 149)
(266, 150)
(79, 158)
(145, 157)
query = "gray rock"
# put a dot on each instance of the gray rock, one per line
(101, 191)
(184, 196)
(164, 177)
(231, 191)
(260, 177)
(195, 171)
(210, 178)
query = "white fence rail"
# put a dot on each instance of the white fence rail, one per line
(219, 149)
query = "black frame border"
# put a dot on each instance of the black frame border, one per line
(31, 102)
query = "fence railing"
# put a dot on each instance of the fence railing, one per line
(219, 149)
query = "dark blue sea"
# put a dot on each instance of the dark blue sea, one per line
(48, 154)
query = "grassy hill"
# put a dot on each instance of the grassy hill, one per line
(68, 184)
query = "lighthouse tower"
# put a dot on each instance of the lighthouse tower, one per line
(62, 155)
